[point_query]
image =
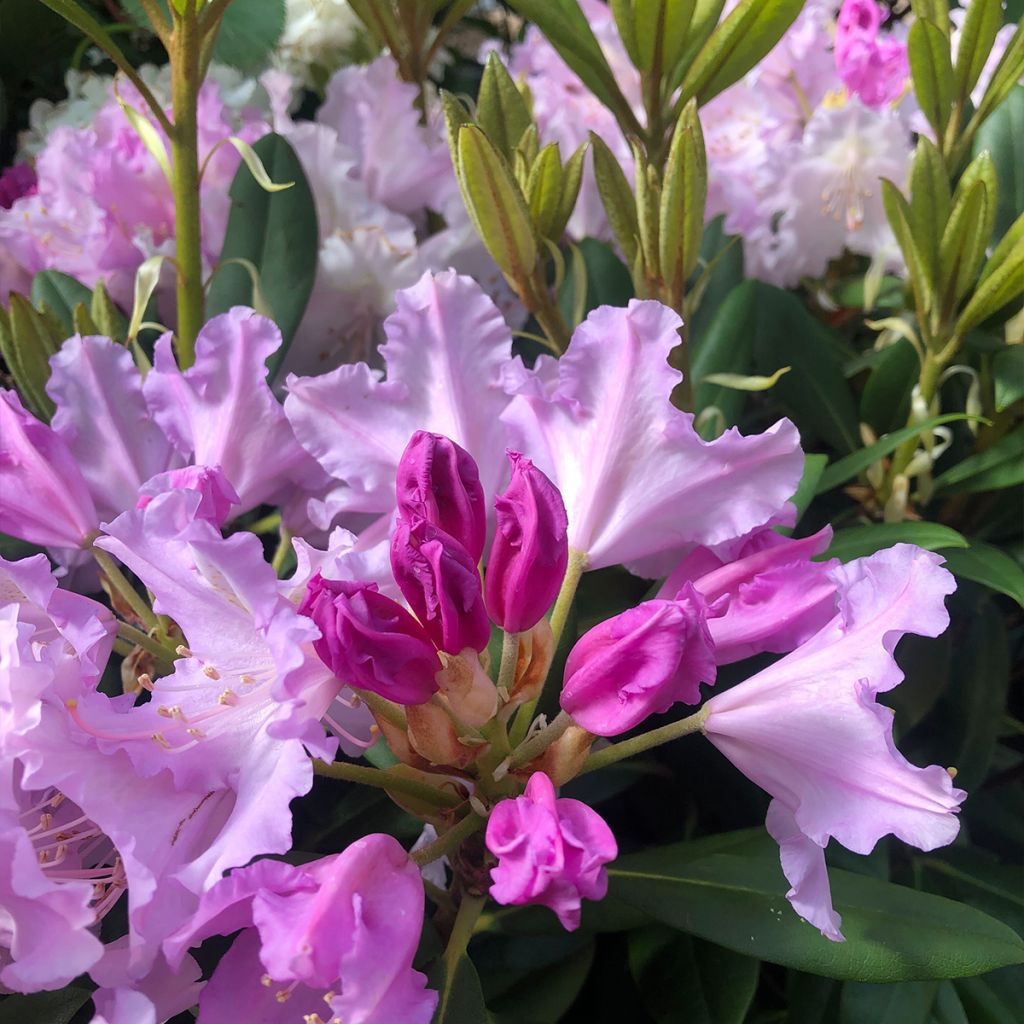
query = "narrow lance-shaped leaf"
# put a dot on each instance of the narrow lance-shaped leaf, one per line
(962, 248)
(982, 21)
(931, 71)
(648, 212)
(495, 204)
(936, 11)
(501, 110)
(625, 22)
(930, 202)
(617, 197)
(702, 23)
(898, 213)
(59, 293)
(682, 201)
(27, 340)
(736, 45)
(572, 178)
(1007, 74)
(544, 190)
(105, 314)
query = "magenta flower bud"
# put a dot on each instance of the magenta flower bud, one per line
(216, 495)
(15, 182)
(370, 641)
(44, 498)
(439, 481)
(640, 663)
(439, 579)
(530, 551)
(549, 851)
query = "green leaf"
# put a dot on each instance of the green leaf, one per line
(849, 466)
(931, 71)
(105, 314)
(858, 541)
(681, 218)
(60, 294)
(885, 401)
(892, 933)
(608, 279)
(1006, 75)
(948, 1009)
(901, 218)
(501, 110)
(1008, 376)
(930, 201)
(28, 338)
(572, 179)
(814, 466)
(727, 345)
(617, 197)
(57, 1007)
(461, 997)
(1003, 136)
(986, 564)
(1000, 466)
(543, 995)
(544, 190)
(909, 1003)
(275, 231)
(249, 32)
(749, 32)
(994, 999)
(565, 26)
(967, 234)
(683, 978)
(982, 20)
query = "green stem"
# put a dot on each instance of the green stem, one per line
(385, 780)
(449, 842)
(383, 708)
(559, 617)
(121, 584)
(509, 659)
(163, 655)
(545, 310)
(466, 919)
(645, 741)
(284, 545)
(540, 741)
(185, 82)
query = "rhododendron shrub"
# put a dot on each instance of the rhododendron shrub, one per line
(513, 521)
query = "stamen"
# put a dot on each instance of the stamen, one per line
(266, 981)
(145, 680)
(210, 672)
(284, 994)
(345, 734)
(183, 652)
(161, 740)
(228, 697)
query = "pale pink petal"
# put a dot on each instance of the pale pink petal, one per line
(636, 478)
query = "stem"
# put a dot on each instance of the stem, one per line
(185, 81)
(284, 545)
(538, 300)
(509, 659)
(645, 741)
(538, 743)
(385, 780)
(383, 708)
(120, 583)
(139, 639)
(449, 841)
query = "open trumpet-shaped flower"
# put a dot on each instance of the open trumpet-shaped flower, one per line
(808, 729)
(341, 931)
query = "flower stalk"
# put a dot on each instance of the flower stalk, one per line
(378, 779)
(645, 741)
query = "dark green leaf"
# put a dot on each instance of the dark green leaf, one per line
(948, 1009)
(1003, 136)
(461, 997)
(892, 933)
(544, 995)
(848, 467)
(248, 33)
(993, 999)
(43, 1007)
(60, 293)
(909, 1003)
(1008, 376)
(989, 566)
(885, 402)
(726, 346)
(683, 978)
(858, 541)
(814, 466)
(1002, 465)
(608, 280)
(277, 232)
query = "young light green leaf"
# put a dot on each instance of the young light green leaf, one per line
(898, 213)
(749, 32)
(1007, 74)
(982, 20)
(683, 197)
(648, 204)
(1003, 136)
(1001, 281)
(572, 178)
(495, 204)
(1001, 465)
(146, 279)
(82, 320)
(931, 71)
(935, 11)
(544, 190)
(501, 110)
(26, 343)
(702, 23)
(1008, 376)
(146, 131)
(617, 197)
(739, 382)
(254, 163)
(105, 314)
(962, 248)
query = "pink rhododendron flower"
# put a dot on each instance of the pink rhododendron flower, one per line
(440, 581)
(43, 496)
(530, 551)
(636, 478)
(873, 66)
(340, 931)
(216, 495)
(370, 641)
(438, 481)
(549, 851)
(640, 663)
(770, 595)
(809, 731)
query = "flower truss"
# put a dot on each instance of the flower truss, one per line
(476, 493)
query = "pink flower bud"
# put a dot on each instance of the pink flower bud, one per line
(549, 851)
(15, 182)
(530, 550)
(216, 494)
(439, 579)
(370, 641)
(438, 481)
(43, 497)
(639, 663)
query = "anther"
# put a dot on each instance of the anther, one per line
(159, 738)
(196, 734)
(245, 678)
(145, 680)
(228, 697)
(266, 981)
(183, 652)
(210, 672)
